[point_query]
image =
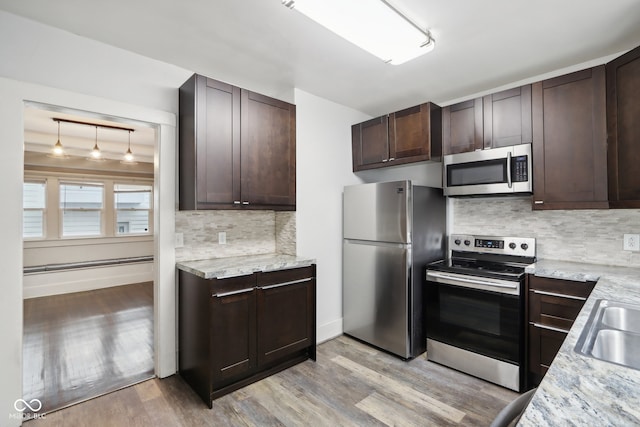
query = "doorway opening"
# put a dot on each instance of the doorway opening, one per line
(88, 242)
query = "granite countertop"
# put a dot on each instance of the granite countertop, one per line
(579, 390)
(221, 268)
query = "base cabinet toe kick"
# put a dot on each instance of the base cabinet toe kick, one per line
(236, 331)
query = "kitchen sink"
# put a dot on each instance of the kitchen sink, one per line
(612, 334)
(622, 318)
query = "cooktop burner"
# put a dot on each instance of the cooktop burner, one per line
(478, 267)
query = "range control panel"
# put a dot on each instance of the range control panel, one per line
(521, 246)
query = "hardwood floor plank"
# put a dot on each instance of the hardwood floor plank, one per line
(351, 384)
(408, 393)
(387, 412)
(80, 345)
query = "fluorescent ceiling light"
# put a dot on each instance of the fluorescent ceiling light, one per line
(373, 25)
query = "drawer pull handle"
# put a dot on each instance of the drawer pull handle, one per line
(293, 282)
(550, 328)
(554, 294)
(226, 294)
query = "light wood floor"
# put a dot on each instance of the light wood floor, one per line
(80, 345)
(351, 384)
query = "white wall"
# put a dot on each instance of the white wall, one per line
(323, 165)
(50, 66)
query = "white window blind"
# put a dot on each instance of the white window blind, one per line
(34, 204)
(133, 208)
(81, 207)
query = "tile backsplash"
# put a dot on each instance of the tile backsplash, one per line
(592, 236)
(247, 233)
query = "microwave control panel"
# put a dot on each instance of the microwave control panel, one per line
(520, 169)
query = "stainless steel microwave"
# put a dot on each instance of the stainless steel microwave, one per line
(496, 171)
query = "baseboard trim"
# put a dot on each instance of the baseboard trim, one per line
(63, 282)
(329, 331)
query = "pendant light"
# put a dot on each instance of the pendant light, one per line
(95, 152)
(57, 152)
(128, 155)
(57, 148)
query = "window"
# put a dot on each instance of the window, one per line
(133, 207)
(33, 214)
(81, 209)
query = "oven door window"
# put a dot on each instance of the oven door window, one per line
(483, 322)
(477, 173)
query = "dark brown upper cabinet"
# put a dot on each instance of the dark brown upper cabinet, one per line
(236, 148)
(497, 120)
(507, 118)
(570, 141)
(623, 124)
(462, 127)
(410, 135)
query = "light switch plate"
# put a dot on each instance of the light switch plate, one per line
(179, 240)
(631, 242)
(222, 237)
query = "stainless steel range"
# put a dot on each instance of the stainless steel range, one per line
(475, 307)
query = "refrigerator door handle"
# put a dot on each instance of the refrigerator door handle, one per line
(372, 243)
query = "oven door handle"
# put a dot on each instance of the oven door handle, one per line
(471, 281)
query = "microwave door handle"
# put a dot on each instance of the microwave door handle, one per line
(509, 183)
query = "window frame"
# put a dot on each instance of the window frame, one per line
(44, 182)
(149, 210)
(53, 218)
(101, 210)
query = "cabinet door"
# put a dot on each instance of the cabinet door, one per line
(570, 141)
(268, 157)
(507, 118)
(623, 111)
(218, 147)
(233, 335)
(415, 134)
(286, 314)
(210, 141)
(462, 127)
(370, 143)
(544, 344)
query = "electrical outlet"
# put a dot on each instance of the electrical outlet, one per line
(631, 242)
(179, 240)
(222, 237)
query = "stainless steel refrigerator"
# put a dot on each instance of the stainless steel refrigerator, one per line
(391, 231)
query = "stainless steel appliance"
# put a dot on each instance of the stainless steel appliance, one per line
(391, 231)
(475, 307)
(500, 171)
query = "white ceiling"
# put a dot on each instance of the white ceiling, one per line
(480, 45)
(41, 133)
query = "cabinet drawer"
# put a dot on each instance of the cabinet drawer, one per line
(285, 276)
(220, 287)
(559, 286)
(552, 310)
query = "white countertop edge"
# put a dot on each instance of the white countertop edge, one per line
(222, 268)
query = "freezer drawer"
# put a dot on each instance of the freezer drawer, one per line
(375, 294)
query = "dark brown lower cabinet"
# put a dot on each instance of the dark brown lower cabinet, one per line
(552, 307)
(235, 331)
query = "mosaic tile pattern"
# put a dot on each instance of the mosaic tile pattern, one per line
(248, 233)
(591, 236)
(286, 233)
